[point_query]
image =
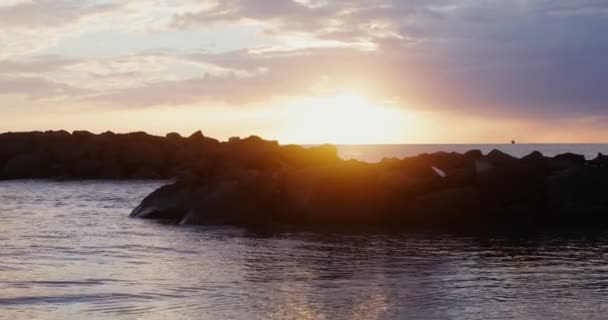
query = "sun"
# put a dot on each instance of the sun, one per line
(343, 119)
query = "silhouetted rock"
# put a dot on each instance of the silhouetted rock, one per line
(252, 181)
(256, 182)
(174, 136)
(95, 169)
(252, 152)
(482, 166)
(537, 160)
(445, 160)
(60, 134)
(534, 157)
(575, 158)
(449, 206)
(473, 155)
(313, 156)
(249, 200)
(87, 169)
(197, 136)
(28, 166)
(82, 134)
(172, 201)
(497, 157)
(145, 174)
(578, 194)
(139, 155)
(567, 160)
(599, 161)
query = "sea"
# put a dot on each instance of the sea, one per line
(68, 250)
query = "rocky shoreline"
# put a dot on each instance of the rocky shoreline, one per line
(254, 182)
(84, 155)
(259, 183)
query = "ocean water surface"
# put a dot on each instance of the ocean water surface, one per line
(69, 251)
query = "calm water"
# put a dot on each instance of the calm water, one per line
(69, 251)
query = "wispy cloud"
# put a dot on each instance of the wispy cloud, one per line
(35, 65)
(37, 88)
(521, 58)
(49, 13)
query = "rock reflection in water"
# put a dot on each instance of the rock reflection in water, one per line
(69, 252)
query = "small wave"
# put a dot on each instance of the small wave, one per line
(66, 299)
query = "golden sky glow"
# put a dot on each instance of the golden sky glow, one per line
(374, 71)
(347, 118)
(313, 119)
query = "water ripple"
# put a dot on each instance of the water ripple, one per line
(69, 251)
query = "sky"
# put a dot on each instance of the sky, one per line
(309, 71)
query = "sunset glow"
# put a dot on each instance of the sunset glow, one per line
(303, 159)
(308, 71)
(342, 119)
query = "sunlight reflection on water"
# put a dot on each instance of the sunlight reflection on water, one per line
(70, 252)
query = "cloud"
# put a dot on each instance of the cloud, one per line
(36, 88)
(347, 20)
(32, 78)
(35, 26)
(511, 83)
(36, 65)
(519, 58)
(230, 88)
(534, 58)
(48, 13)
(246, 78)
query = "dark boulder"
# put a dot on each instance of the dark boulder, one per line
(473, 155)
(444, 207)
(82, 134)
(25, 166)
(66, 150)
(462, 176)
(108, 135)
(172, 201)
(294, 155)
(534, 156)
(253, 153)
(111, 151)
(567, 160)
(138, 136)
(251, 199)
(174, 136)
(9, 149)
(497, 157)
(537, 160)
(447, 160)
(512, 184)
(197, 136)
(247, 198)
(577, 158)
(59, 134)
(139, 155)
(578, 194)
(599, 161)
(251, 181)
(145, 174)
(86, 169)
(96, 169)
